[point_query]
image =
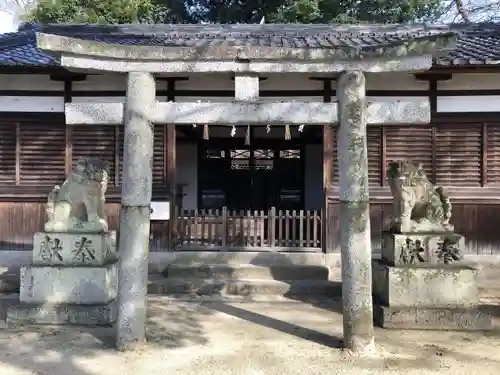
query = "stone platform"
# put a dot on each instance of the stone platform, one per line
(437, 318)
(66, 284)
(72, 314)
(427, 296)
(73, 279)
(452, 285)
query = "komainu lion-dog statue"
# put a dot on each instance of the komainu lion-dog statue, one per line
(418, 206)
(78, 204)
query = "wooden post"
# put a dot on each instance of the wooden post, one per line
(328, 156)
(224, 227)
(171, 147)
(272, 227)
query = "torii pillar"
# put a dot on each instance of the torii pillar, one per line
(408, 52)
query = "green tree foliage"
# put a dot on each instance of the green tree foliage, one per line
(234, 11)
(314, 11)
(98, 11)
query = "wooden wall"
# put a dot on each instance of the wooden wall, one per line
(476, 221)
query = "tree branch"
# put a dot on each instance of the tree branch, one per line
(462, 11)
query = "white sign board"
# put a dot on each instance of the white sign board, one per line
(160, 210)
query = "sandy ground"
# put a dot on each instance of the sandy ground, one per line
(191, 338)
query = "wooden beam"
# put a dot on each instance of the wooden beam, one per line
(429, 76)
(171, 176)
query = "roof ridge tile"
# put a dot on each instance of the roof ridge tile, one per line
(476, 42)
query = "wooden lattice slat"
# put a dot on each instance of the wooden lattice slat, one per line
(95, 141)
(335, 164)
(7, 153)
(458, 155)
(374, 150)
(42, 154)
(493, 154)
(413, 143)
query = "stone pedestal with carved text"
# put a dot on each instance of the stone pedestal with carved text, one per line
(420, 284)
(72, 280)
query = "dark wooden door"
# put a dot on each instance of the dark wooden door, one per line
(252, 178)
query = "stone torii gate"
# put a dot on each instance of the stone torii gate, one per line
(397, 49)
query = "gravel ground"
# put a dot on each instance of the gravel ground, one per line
(192, 338)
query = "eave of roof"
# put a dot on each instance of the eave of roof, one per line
(477, 45)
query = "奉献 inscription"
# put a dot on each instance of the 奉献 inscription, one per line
(74, 249)
(449, 251)
(84, 250)
(412, 252)
(50, 249)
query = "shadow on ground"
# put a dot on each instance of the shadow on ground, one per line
(333, 300)
(176, 324)
(41, 349)
(318, 337)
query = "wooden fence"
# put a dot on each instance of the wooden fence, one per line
(476, 221)
(233, 229)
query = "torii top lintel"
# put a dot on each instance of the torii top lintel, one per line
(246, 48)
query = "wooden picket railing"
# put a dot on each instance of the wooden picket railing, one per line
(285, 230)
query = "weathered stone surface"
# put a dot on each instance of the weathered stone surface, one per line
(236, 113)
(396, 249)
(88, 249)
(400, 45)
(63, 284)
(420, 286)
(355, 243)
(472, 318)
(418, 206)
(78, 204)
(247, 288)
(135, 210)
(385, 110)
(23, 313)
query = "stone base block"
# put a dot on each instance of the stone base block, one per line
(74, 249)
(79, 285)
(431, 318)
(395, 247)
(425, 286)
(63, 314)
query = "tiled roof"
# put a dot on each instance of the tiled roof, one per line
(478, 44)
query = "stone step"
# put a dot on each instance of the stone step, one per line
(243, 287)
(249, 271)
(9, 280)
(314, 300)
